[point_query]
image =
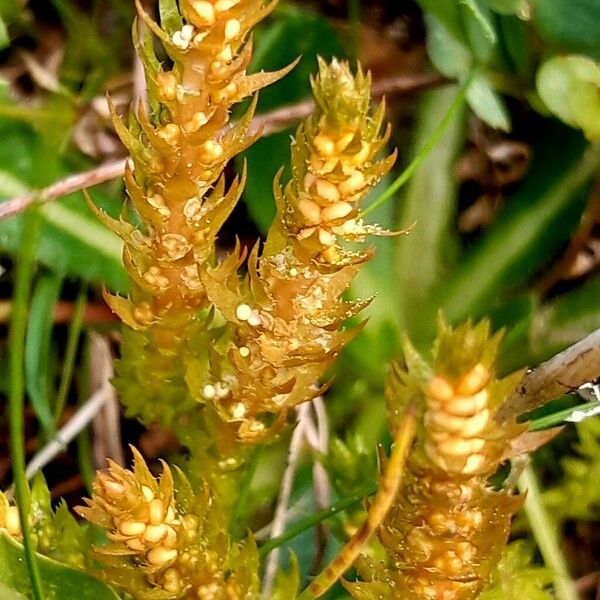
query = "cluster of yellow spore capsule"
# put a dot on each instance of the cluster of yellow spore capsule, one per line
(180, 144)
(334, 166)
(164, 540)
(138, 513)
(448, 526)
(286, 316)
(457, 420)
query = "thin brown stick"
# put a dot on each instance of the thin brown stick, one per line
(268, 123)
(562, 374)
(94, 314)
(82, 418)
(73, 183)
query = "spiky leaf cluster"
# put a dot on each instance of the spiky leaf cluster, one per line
(179, 146)
(334, 165)
(165, 540)
(448, 527)
(285, 317)
(577, 496)
(516, 577)
(56, 533)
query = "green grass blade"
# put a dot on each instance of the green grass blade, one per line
(427, 148)
(70, 352)
(38, 349)
(546, 536)
(18, 324)
(537, 221)
(311, 521)
(429, 203)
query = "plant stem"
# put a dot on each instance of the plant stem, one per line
(312, 520)
(429, 145)
(573, 414)
(16, 395)
(354, 18)
(545, 534)
(239, 508)
(70, 352)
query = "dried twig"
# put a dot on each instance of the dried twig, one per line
(281, 512)
(268, 123)
(562, 374)
(389, 484)
(73, 183)
(107, 423)
(318, 437)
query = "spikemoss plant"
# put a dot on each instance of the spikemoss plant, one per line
(448, 526)
(222, 358)
(165, 539)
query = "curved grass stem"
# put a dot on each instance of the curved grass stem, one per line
(420, 157)
(546, 537)
(388, 488)
(70, 352)
(16, 395)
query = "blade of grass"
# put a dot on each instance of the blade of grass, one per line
(236, 526)
(38, 348)
(430, 203)
(70, 353)
(313, 520)
(428, 146)
(573, 414)
(545, 534)
(16, 396)
(85, 451)
(533, 224)
(354, 7)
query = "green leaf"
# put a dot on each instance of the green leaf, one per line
(487, 104)
(7, 593)
(480, 33)
(514, 36)
(38, 342)
(509, 7)
(73, 242)
(60, 582)
(449, 56)
(429, 204)
(516, 577)
(287, 583)
(4, 37)
(571, 25)
(170, 17)
(537, 220)
(295, 33)
(447, 14)
(570, 88)
(467, 22)
(481, 16)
